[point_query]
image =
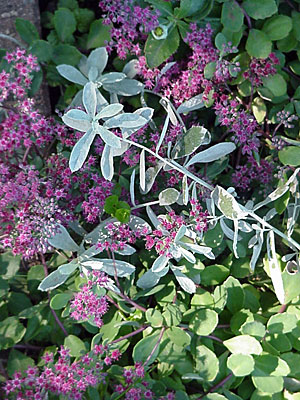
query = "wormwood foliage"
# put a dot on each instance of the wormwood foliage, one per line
(151, 240)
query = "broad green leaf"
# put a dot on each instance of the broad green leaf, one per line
(72, 74)
(253, 328)
(278, 27)
(144, 347)
(60, 300)
(213, 153)
(18, 362)
(276, 84)
(268, 373)
(158, 51)
(77, 119)
(260, 10)
(274, 268)
(204, 322)
(189, 141)
(207, 363)
(194, 103)
(214, 275)
(64, 23)
(172, 315)
(66, 54)
(240, 364)
(258, 44)
(235, 294)
(42, 49)
(291, 284)
(11, 332)
(81, 150)
(282, 323)
(232, 16)
(98, 59)
(108, 137)
(154, 317)
(168, 197)
(89, 98)
(76, 345)
(52, 281)
(259, 109)
(62, 240)
(98, 34)
(243, 344)
(290, 155)
(214, 237)
(109, 266)
(178, 336)
(26, 30)
(296, 22)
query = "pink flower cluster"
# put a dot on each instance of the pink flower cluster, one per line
(244, 176)
(134, 377)
(118, 235)
(61, 377)
(130, 23)
(261, 68)
(162, 238)
(17, 80)
(242, 124)
(87, 304)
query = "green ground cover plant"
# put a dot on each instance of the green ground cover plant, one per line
(149, 228)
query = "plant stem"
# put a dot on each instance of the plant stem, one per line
(246, 15)
(214, 338)
(155, 346)
(217, 386)
(59, 323)
(140, 329)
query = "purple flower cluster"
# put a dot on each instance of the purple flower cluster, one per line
(87, 304)
(129, 23)
(61, 377)
(261, 68)
(241, 123)
(285, 118)
(244, 176)
(15, 83)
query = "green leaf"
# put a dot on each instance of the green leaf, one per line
(66, 54)
(276, 84)
(259, 109)
(282, 203)
(190, 141)
(26, 30)
(154, 317)
(243, 344)
(258, 9)
(98, 34)
(240, 364)
(9, 265)
(226, 203)
(11, 332)
(18, 362)
(178, 336)
(168, 196)
(204, 322)
(76, 345)
(296, 24)
(214, 237)
(290, 156)
(52, 281)
(236, 295)
(214, 275)
(258, 44)
(60, 300)
(190, 7)
(282, 323)
(253, 328)
(210, 70)
(207, 363)
(278, 27)
(42, 49)
(268, 373)
(144, 347)
(158, 51)
(172, 315)
(84, 18)
(232, 16)
(291, 284)
(64, 23)
(17, 302)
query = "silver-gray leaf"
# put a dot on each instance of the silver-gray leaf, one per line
(89, 98)
(81, 150)
(98, 58)
(107, 163)
(108, 137)
(77, 119)
(62, 240)
(72, 74)
(212, 154)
